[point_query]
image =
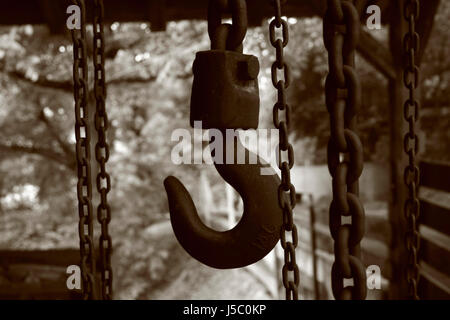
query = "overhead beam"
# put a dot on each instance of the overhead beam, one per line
(425, 24)
(29, 11)
(377, 54)
(397, 157)
(158, 12)
(54, 14)
(157, 15)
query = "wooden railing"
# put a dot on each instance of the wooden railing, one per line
(42, 274)
(315, 269)
(37, 275)
(374, 250)
(434, 230)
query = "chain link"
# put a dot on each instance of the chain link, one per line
(83, 141)
(102, 151)
(225, 36)
(286, 191)
(345, 151)
(411, 145)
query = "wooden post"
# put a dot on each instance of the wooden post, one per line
(398, 159)
(54, 15)
(157, 15)
(312, 226)
(425, 24)
(95, 169)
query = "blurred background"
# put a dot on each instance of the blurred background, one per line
(149, 77)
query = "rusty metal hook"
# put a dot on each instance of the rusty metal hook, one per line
(252, 238)
(225, 95)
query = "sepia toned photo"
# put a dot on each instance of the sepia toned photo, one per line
(225, 154)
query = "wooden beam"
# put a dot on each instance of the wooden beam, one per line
(312, 222)
(437, 238)
(54, 14)
(376, 54)
(425, 24)
(386, 7)
(59, 257)
(435, 175)
(435, 217)
(435, 197)
(157, 15)
(398, 159)
(29, 11)
(440, 289)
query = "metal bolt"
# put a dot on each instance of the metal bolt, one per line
(249, 69)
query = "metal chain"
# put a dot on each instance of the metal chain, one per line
(83, 153)
(102, 151)
(226, 36)
(286, 191)
(345, 151)
(411, 146)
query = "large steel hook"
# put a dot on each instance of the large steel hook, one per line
(225, 96)
(252, 238)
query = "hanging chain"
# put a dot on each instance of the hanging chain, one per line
(345, 151)
(411, 146)
(83, 153)
(226, 36)
(286, 191)
(102, 151)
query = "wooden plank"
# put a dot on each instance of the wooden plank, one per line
(46, 273)
(35, 281)
(157, 14)
(54, 14)
(328, 258)
(63, 257)
(425, 24)
(435, 175)
(29, 11)
(322, 229)
(435, 249)
(437, 238)
(375, 247)
(397, 158)
(433, 284)
(38, 292)
(435, 197)
(44, 270)
(313, 240)
(374, 251)
(435, 217)
(377, 54)
(377, 225)
(377, 214)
